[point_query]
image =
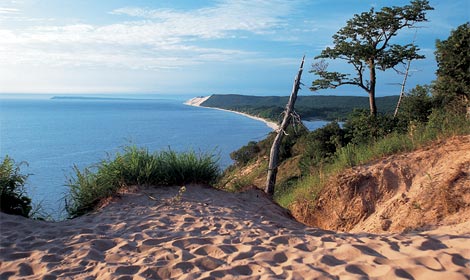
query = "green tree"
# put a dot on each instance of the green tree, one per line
(365, 43)
(453, 73)
(417, 105)
(362, 128)
(246, 153)
(320, 145)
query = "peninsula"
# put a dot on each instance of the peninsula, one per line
(199, 102)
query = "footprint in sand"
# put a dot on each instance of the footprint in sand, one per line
(127, 270)
(103, 244)
(25, 269)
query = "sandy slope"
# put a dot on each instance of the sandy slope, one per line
(213, 234)
(196, 101)
(417, 190)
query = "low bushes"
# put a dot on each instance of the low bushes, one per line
(13, 198)
(441, 123)
(246, 153)
(136, 166)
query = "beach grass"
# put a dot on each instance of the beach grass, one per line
(13, 197)
(136, 166)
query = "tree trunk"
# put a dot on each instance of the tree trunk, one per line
(402, 91)
(373, 107)
(274, 154)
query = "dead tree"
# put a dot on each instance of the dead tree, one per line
(406, 73)
(288, 114)
(402, 91)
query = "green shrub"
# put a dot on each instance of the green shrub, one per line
(292, 135)
(136, 166)
(348, 156)
(320, 145)
(391, 144)
(246, 153)
(361, 127)
(416, 105)
(13, 199)
(444, 122)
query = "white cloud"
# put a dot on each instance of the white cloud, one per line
(255, 16)
(8, 11)
(154, 39)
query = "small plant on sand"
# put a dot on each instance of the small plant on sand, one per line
(13, 198)
(416, 205)
(177, 198)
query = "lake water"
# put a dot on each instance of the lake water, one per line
(52, 135)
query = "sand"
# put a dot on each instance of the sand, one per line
(197, 101)
(421, 189)
(213, 234)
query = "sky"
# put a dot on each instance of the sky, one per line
(192, 47)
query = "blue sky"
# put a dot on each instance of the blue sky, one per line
(190, 47)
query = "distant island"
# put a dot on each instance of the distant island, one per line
(92, 98)
(308, 107)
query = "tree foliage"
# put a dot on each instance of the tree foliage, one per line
(320, 145)
(453, 59)
(246, 153)
(308, 107)
(363, 128)
(365, 44)
(417, 105)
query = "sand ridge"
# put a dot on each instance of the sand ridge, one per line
(213, 234)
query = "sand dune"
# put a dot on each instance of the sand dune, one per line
(197, 102)
(213, 234)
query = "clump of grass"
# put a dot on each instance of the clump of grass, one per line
(13, 198)
(303, 187)
(136, 166)
(233, 181)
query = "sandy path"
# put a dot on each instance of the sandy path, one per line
(213, 234)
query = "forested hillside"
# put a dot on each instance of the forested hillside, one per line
(309, 107)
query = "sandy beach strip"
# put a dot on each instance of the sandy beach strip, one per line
(197, 101)
(211, 234)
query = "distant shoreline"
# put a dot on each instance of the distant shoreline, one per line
(197, 101)
(93, 98)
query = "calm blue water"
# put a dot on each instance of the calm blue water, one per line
(54, 135)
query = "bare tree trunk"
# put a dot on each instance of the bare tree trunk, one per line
(274, 154)
(402, 91)
(372, 105)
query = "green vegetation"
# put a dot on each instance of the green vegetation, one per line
(13, 199)
(245, 153)
(453, 73)
(428, 113)
(308, 107)
(365, 43)
(331, 149)
(136, 166)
